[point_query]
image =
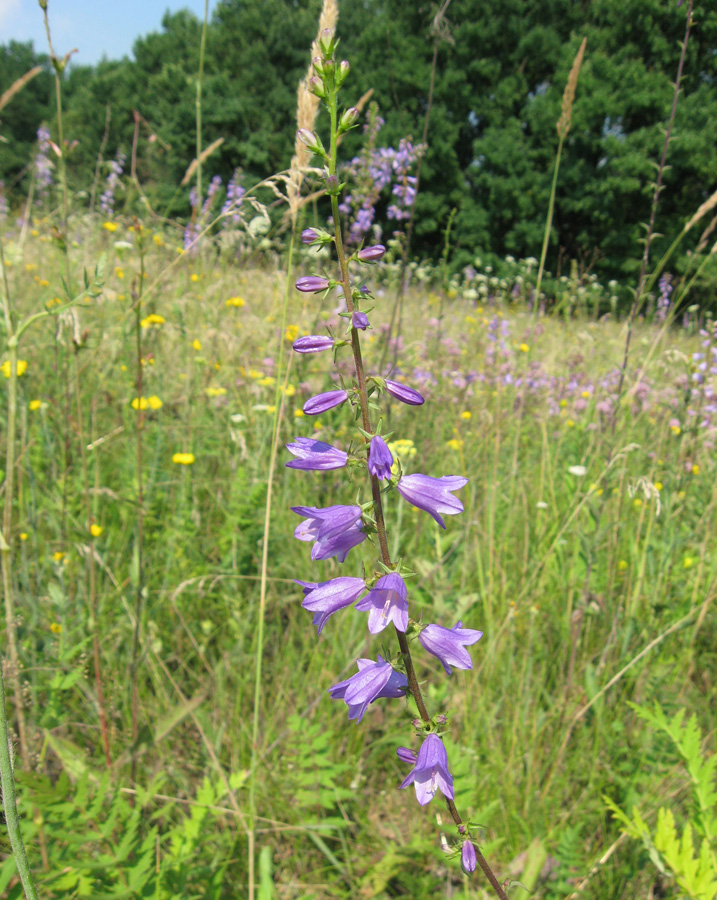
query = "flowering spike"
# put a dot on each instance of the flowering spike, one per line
(433, 495)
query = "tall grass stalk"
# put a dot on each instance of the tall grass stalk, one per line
(7, 538)
(91, 568)
(139, 540)
(9, 801)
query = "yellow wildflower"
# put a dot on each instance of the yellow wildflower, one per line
(299, 413)
(58, 556)
(267, 382)
(585, 395)
(675, 429)
(110, 226)
(524, 348)
(235, 301)
(35, 405)
(20, 368)
(687, 562)
(30, 267)
(119, 271)
(23, 535)
(289, 390)
(255, 373)
(658, 485)
(622, 565)
(196, 344)
(95, 529)
(157, 238)
(140, 403)
(194, 277)
(637, 502)
(56, 628)
(43, 282)
(34, 232)
(215, 391)
(454, 444)
(563, 403)
(695, 469)
(183, 459)
(466, 414)
(152, 319)
(291, 333)
(154, 402)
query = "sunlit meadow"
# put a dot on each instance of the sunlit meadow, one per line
(166, 692)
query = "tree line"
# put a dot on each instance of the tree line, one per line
(500, 71)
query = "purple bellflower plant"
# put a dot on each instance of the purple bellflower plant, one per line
(335, 530)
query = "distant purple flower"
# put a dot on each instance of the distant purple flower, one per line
(448, 644)
(372, 254)
(108, 197)
(320, 403)
(433, 495)
(468, 857)
(360, 320)
(386, 603)
(372, 681)
(331, 596)
(430, 772)
(334, 529)
(406, 755)
(380, 459)
(312, 284)
(315, 455)
(231, 210)
(404, 393)
(313, 343)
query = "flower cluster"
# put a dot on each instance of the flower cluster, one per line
(107, 200)
(232, 205)
(376, 170)
(43, 164)
(334, 531)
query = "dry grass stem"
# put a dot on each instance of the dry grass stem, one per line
(569, 92)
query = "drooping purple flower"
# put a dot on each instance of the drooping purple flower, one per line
(430, 773)
(448, 644)
(405, 754)
(312, 284)
(380, 459)
(360, 320)
(313, 455)
(334, 529)
(404, 393)
(320, 403)
(468, 857)
(331, 596)
(385, 603)
(372, 254)
(433, 495)
(313, 343)
(372, 681)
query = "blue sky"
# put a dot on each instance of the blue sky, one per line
(96, 27)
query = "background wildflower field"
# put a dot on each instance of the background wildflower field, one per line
(152, 563)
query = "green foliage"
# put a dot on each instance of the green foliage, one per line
(694, 869)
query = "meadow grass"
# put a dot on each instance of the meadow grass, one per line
(585, 554)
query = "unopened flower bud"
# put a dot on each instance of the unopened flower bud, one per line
(316, 87)
(468, 857)
(312, 284)
(441, 719)
(332, 184)
(342, 72)
(372, 254)
(348, 119)
(326, 43)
